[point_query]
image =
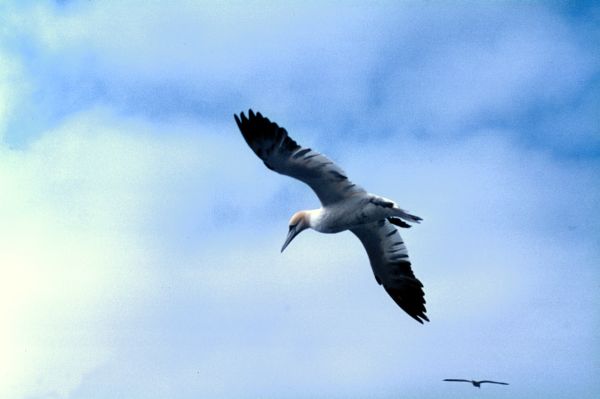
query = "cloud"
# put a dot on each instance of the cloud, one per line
(73, 254)
(193, 59)
(165, 297)
(13, 86)
(442, 71)
(139, 244)
(458, 70)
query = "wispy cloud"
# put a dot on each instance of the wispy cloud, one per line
(139, 258)
(435, 70)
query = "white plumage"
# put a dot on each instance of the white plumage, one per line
(344, 206)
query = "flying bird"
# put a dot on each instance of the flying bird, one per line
(344, 206)
(476, 383)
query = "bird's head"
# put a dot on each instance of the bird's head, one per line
(299, 222)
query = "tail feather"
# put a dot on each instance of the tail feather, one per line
(398, 222)
(402, 214)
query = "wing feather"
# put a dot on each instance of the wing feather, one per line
(391, 266)
(282, 154)
(493, 382)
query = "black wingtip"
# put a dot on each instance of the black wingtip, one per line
(251, 115)
(420, 318)
(411, 299)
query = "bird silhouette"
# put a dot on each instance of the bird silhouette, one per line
(344, 206)
(476, 383)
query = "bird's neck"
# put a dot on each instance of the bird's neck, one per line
(314, 217)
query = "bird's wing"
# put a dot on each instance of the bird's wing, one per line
(457, 380)
(389, 260)
(282, 154)
(493, 382)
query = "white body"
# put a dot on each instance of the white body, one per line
(357, 210)
(344, 206)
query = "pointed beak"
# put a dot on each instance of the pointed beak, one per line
(293, 233)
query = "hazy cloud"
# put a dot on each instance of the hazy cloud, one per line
(140, 236)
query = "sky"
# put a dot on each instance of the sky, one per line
(140, 237)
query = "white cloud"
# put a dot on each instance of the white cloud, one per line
(233, 317)
(432, 70)
(318, 56)
(13, 87)
(475, 67)
(93, 258)
(75, 257)
(146, 242)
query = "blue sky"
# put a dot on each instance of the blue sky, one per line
(139, 248)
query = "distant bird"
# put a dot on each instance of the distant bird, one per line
(344, 206)
(476, 383)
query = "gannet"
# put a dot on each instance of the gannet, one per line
(344, 206)
(476, 383)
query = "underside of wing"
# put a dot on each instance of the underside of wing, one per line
(456, 380)
(392, 268)
(493, 382)
(282, 154)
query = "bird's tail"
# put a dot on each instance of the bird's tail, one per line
(402, 214)
(398, 222)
